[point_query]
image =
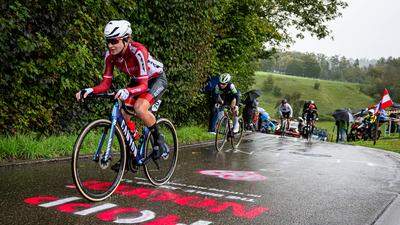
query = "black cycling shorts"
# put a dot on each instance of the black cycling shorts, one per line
(286, 115)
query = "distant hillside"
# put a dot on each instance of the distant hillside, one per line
(331, 95)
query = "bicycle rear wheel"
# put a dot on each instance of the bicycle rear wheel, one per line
(237, 137)
(95, 178)
(160, 170)
(222, 131)
(305, 132)
(311, 132)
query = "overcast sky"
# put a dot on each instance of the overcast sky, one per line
(367, 29)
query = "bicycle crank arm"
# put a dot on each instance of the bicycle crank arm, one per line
(150, 157)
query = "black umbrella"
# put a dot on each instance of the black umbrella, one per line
(361, 112)
(343, 115)
(253, 94)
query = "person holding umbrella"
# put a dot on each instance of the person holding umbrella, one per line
(250, 109)
(343, 117)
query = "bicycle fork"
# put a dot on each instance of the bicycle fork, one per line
(108, 153)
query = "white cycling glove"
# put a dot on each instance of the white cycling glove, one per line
(88, 90)
(83, 93)
(122, 94)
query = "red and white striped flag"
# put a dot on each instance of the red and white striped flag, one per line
(385, 102)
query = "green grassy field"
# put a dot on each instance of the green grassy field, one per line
(391, 143)
(330, 96)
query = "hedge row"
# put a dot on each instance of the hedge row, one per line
(52, 48)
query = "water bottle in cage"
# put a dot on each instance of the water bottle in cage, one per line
(155, 106)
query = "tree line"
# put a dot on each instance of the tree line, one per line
(374, 75)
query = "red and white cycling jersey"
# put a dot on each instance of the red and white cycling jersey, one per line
(136, 62)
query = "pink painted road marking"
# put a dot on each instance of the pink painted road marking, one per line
(234, 175)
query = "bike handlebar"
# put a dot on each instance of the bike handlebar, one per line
(110, 96)
(103, 95)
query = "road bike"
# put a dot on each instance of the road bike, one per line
(285, 125)
(106, 149)
(224, 130)
(308, 129)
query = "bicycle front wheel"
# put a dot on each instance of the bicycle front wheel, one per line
(222, 131)
(310, 133)
(283, 128)
(95, 178)
(160, 169)
(237, 137)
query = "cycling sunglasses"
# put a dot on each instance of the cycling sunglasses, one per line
(112, 41)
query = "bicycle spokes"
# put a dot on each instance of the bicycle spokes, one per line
(102, 170)
(222, 134)
(237, 137)
(161, 155)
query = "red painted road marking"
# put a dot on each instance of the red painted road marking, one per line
(73, 207)
(156, 195)
(108, 212)
(39, 199)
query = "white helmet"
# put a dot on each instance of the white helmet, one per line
(117, 28)
(225, 78)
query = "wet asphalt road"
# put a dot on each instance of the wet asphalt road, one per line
(291, 182)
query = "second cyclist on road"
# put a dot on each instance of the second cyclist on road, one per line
(227, 94)
(285, 112)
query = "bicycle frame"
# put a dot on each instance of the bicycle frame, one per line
(228, 113)
(117, 117)
(286, 122)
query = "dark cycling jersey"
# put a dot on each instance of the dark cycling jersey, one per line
(227, 94)
(310, 114)
(310, 110)
(136, 62)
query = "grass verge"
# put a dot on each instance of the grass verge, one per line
(32, 147)
(391, 143)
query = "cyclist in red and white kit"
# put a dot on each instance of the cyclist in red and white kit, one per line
(147, 78)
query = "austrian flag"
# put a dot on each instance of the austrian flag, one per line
(385, 102)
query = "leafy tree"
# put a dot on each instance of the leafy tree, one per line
(295, 67)
(311, 66)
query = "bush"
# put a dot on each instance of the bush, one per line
(47, 58)
(268, 84)
(277, 91)
(317, 85)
